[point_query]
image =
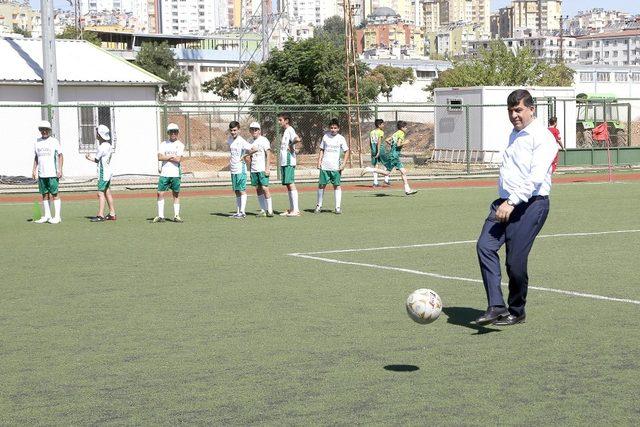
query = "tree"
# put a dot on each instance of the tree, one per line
(388, 77)
(333, 28)
(226, 85)
(498, 66)
(23, 32)
(158, 59)
(71, 33)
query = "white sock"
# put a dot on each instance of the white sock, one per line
(375, 178)
(407, 188)
(47, 209)
(269, 205)
(161, 208)
(290, 200)
(176, 209)
(320, 194)
(243, 203)
(338, 194)
(57, 203)
(294, 199)
(261, 202)
(237, 204)
(386, 179)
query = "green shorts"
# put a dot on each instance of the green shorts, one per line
(239, 181)
(169, 182)
(48, 185)
(393, 162)
(259, 179)
(374, 153)
(288, 174)
(103, 185)
(327, 177)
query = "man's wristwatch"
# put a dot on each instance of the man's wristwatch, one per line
(510, 203)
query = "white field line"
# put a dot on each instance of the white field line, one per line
(459, 242)
(310, 255)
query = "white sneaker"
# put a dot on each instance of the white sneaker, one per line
(42, 220)
(55, 220)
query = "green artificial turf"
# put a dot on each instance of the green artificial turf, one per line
(212, 322)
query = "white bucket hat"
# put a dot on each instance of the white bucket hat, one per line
(254, 125)
(44, 124)
(103, 131)
(172, 126)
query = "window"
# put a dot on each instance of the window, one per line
(425, 74)
(603, 76)
(586, 77)
(89, 118)
(621, 77)
(635, 77)
(455, 104)
(189, 67)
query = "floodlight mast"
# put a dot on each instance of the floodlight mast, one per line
(49, 69)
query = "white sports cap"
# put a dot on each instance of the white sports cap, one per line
(254, 125)
(44, 124)
(103, 131)
(172, 126)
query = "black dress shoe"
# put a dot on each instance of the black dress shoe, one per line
(510, 320)
(491, 315)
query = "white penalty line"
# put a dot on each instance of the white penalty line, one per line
(459, 242)
(311, 255)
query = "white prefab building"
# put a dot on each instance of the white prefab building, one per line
(489, 126)
(95, 88)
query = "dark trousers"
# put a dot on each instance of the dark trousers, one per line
(518, 234)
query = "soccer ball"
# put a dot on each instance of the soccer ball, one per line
(424, 306)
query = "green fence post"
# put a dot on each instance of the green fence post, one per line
(468, 141)
(629, 125)
(164, 120)
(210, 133)
(188, 133)
(375, 109)
(276, 144)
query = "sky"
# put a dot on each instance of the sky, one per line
(571, 7)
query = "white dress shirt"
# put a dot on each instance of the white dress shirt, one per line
(526, 163)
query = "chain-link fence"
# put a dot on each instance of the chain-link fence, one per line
(442, 138)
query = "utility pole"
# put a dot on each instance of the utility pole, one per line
(351, 69)
(50, 73)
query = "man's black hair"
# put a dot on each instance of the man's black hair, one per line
(378, 122)
(234, 124)
(518, 95)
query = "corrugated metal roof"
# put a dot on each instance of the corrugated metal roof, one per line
(77, 61)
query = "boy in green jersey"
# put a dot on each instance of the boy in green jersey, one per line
(376, 137)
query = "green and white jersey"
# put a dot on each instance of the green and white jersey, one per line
(103, 156)
(397, 137)
(258, 159)
(238, 147)
(47, 151)
(168, 148)
(287, 158)
(333, 146)
(375, 136)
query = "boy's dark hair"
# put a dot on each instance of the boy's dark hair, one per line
(285, 116)
(518, 95)
(378, 122)
(234, 124)
(334, 122)
(401, 124)
(553, 121)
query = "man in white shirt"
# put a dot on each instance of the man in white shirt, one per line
(47, 169)
(170, 154)
(518, 215)
(260, 164)
(240, 150)
(332, 147)
(102, 158)
(288, 151)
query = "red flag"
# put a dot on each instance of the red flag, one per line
(601, 132)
